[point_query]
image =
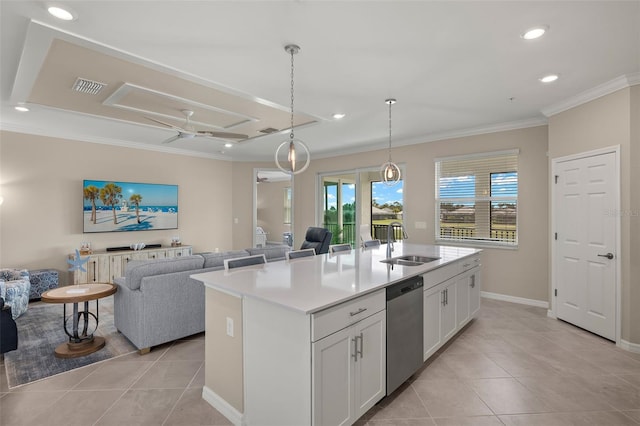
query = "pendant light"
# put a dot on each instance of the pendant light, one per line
(293, 146)
(390, 172)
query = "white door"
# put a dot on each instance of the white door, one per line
(585, 218)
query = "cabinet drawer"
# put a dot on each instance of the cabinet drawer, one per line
(442, 274)
(439, 275)
(469, 262)
(330, 320)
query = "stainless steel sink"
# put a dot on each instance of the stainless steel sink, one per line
(415, 258)
(409, 260)
(401, 262)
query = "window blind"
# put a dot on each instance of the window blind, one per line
(477, 198)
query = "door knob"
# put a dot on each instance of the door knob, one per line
(608, 255)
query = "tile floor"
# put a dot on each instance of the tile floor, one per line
(510, 366)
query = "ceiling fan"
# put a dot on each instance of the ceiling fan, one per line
(188, 132)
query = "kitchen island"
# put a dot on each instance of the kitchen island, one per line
(303, 341)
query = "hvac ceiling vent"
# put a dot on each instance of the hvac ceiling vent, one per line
(90, 87)
(269, 130)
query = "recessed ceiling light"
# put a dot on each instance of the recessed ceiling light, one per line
(228, 145)
(534, 33)
(549, 78)
(338, 115)
(21, 108)
(62, 13)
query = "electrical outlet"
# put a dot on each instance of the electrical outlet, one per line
(229, 327)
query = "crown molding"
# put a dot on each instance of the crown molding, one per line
(11, 127)
(472, 131)
(604, 89)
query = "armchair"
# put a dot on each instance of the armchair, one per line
(318, 239)
(14, 289)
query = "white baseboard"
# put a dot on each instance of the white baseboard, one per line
(550, 314)
(514, 299)
(233, 415)
(628, 346)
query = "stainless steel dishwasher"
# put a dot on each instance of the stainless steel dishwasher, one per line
(404, 331)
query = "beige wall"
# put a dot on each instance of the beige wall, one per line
(41, 182)
(521, 272)
(607, 122)
(224, 376)
(270, 209)
(634, 225)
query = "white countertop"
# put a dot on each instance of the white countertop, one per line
(311, 284)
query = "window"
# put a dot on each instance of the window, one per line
(477, 199)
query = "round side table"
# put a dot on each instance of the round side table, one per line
(81, 341)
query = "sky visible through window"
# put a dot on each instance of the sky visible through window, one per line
(382, 194)
(502, 185)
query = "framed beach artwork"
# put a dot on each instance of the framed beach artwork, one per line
(112, 206)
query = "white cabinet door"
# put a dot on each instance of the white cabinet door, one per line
(333, 379)
(462, 299)
(349, 371)
(448, 318)
(370, 362)
(474, 293)
(433, 301)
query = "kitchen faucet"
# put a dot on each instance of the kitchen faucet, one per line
(391, 238)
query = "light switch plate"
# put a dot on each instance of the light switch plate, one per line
(229, 327)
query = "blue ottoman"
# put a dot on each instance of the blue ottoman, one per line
(41, 281)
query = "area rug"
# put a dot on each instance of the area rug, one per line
(40, 331)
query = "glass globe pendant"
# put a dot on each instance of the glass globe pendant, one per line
(295, 148)
(389, 171)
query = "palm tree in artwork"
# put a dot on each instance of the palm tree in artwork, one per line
(135, 199)
(110, 195)
(92, 193)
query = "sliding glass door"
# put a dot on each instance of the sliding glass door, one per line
(356, 206)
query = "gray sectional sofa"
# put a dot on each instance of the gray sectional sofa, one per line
(157, 302)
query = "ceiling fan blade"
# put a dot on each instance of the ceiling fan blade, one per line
(165, 124)
(223, 135)
(173, 138)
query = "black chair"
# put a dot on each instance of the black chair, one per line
(8, 329)
(296, 254)
(239, 262)
(318, 239)
(339, 248)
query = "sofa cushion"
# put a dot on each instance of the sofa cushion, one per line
(215, 260)
(137, 269)
(271, 253)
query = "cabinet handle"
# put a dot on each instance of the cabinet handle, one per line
(443, 303)
(355, 349)
(466, 265)
(94, 271)
(446, 296)
(361, 344)
(473, 281)
(359, 311)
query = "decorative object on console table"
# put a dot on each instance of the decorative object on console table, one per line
(85, 248)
